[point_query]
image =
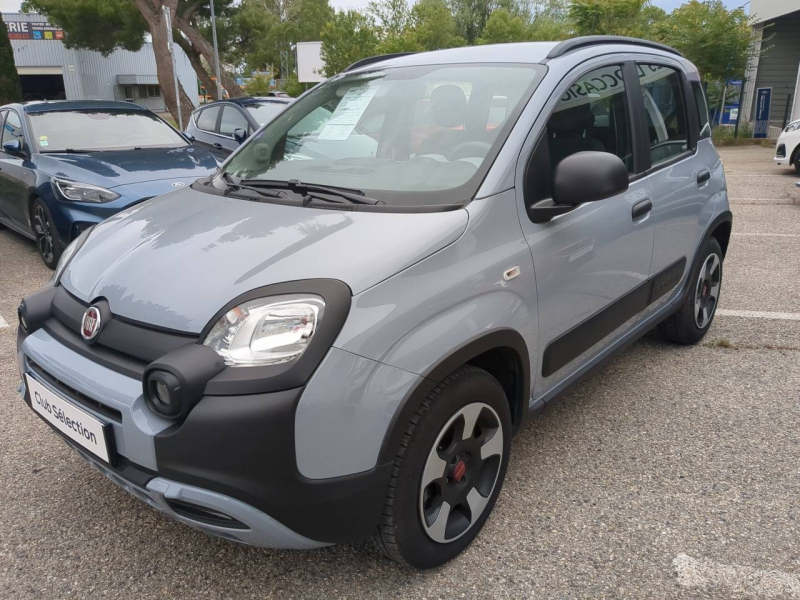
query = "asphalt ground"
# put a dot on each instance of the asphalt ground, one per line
(672, 472)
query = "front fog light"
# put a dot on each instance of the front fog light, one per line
(266, 331)
(164, 394)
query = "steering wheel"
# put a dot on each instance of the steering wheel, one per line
(469, 149)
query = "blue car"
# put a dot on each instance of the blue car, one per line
(65, 166)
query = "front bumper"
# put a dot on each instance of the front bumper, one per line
(228, 469)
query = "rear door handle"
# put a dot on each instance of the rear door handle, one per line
(703, 176)
(641, 208)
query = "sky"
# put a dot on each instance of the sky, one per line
(668, 5)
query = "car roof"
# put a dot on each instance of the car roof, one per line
(519, 53)
(69, 105)
(245, 100)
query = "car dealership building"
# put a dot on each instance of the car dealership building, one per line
(776, 25)
(50, 71)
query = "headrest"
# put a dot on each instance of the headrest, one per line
(449, 106)
(575, 119)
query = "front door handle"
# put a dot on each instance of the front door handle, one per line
(641, 208)
(217, 145)
(703, 176)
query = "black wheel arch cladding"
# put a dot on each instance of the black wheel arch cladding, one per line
(485, 352)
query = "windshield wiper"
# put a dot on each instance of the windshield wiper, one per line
(313, 189)
(231, 184)
(68, 151)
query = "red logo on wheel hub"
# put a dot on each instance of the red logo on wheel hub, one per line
(459, 471)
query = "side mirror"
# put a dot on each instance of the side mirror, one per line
(13, 147)
(189, 137)
(240, 135)
(582, 177)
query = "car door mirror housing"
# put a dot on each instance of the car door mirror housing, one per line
(239, 134)
(189, 137)
(13, 147)
(588, 177)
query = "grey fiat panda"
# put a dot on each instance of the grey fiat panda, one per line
(336, 336)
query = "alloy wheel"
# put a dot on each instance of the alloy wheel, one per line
(707, 292)
(461, 472)
(44, 233)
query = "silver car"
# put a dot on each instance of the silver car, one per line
(337, 335)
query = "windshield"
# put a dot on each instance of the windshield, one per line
(263, 113)
(406, 136)
(101, 130)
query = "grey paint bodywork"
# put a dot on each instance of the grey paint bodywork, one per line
(423, 285)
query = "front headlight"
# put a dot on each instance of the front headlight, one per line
(82, 192)
(792, 126)
(266, 331)
(67, 255)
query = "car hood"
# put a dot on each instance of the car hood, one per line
(176, 260)
(112, 169)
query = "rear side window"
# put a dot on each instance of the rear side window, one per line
(12, 128)
(592, 115)
(666, 113)
(207, 119)
(232, 119)
(702, 109)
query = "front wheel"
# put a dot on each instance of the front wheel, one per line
(46, 234)
(692, 320)
(448, 470)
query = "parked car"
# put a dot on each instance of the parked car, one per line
(222, 126)
(65, 166)
(360, 335)
(787, 150)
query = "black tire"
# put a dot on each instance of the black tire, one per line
(797, 164)
(401, 535)
(46, 234)
(683, 327)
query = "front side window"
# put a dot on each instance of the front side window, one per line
(12, 128)
(666, 115)
(266, 111)
(592, 115)
(98, 130)
(232, 119)
(406, 135)
(207, 119)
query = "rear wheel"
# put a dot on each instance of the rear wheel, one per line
(692, 320)
(46, 234)
(448, 470)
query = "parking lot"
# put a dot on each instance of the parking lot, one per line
(672, 472)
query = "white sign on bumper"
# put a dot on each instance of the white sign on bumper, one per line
(74, 423)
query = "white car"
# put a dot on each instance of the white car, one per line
(787, 151)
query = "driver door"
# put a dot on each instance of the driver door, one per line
(591, 262)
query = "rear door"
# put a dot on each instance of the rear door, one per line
(16, 173)
(679, 171)
(592, 262)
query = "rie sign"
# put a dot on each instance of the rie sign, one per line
(25, 30)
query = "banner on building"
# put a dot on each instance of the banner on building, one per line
(25, 30)
(763, 99)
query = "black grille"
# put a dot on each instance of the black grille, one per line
(73, 394)
(123, 346)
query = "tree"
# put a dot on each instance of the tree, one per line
(716, 40)
(471, 17)
(634, 18)
(504, 27)
(10, 90)
(433, 27)
(349, 36)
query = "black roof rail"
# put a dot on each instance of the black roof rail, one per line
(579, 43)
(375, 59)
